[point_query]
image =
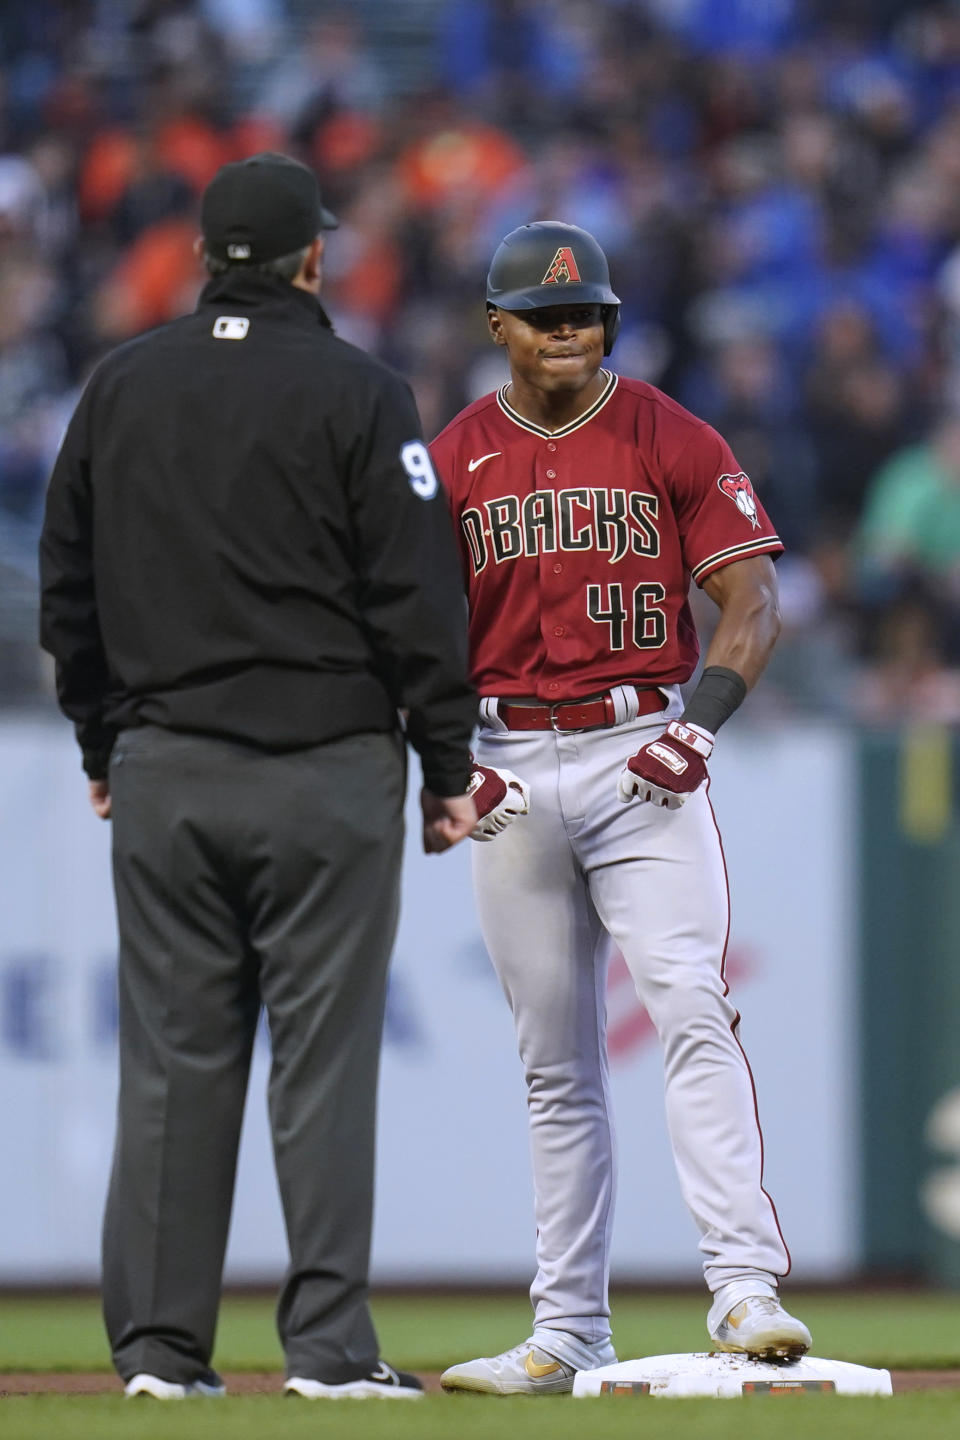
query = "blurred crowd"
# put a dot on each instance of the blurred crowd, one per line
(777, 187)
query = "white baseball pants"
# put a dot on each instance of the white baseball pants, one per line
(581, 864)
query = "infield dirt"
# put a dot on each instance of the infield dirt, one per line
(269, 1382)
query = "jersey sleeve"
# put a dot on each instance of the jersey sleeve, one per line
(69, 619)
(719, 516)
(409, 585)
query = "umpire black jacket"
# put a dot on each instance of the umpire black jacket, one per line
(244, 538)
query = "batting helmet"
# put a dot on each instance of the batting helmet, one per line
(549, 263)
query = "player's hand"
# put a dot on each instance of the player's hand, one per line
(668, 769)
(500, 796)
(447, 819)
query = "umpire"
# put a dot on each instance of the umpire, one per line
(247, 571)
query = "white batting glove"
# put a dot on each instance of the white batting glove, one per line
(500, 797)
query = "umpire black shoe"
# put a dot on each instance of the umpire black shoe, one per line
(382, 1383)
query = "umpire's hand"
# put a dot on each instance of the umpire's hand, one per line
(99, 792)
(447, 819)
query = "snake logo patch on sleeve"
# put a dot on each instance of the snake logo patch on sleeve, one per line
(740, 491)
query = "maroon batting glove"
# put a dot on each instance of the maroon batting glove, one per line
(668, 769)
(500, 796)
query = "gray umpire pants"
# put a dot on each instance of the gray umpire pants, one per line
(243, 877)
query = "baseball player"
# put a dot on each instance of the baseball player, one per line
(584, 504)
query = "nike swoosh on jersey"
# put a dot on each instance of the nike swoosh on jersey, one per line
(474, 464)
(537, 1372)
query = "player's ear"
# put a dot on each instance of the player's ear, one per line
(495, 325)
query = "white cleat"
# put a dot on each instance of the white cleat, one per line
(530, 1368)
(761, 1328)
(151, 1385)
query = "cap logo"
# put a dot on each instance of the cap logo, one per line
(238, 252)
(562, 269)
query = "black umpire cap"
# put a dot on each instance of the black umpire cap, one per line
(261, 208)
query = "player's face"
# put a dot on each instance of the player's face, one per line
(557, 348)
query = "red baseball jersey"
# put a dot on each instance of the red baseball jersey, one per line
(578, 546)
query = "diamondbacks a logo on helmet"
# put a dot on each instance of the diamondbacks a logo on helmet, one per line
(740, 490)
(562, 269)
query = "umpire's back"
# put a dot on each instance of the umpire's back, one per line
(268, 563)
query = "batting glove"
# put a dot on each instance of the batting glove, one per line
(668, 769)
(500, 796)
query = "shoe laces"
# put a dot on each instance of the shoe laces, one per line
(766, 1304)
(519, 1352)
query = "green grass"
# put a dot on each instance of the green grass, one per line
(901, 1330)
(814, 1417)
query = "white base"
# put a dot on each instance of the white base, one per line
(727, 1376)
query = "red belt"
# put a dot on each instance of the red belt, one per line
(593, 713)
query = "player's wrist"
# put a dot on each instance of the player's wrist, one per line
(719, 692)
(694, 737)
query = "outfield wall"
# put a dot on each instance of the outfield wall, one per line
(910, 1001)
(454, 1195)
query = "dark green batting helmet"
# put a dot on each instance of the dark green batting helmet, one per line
(549, 263)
